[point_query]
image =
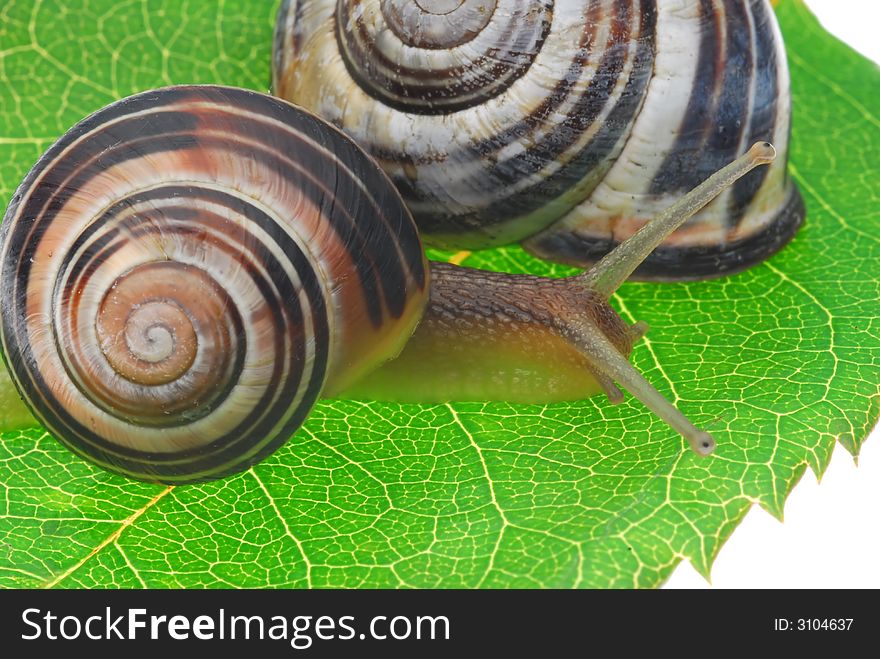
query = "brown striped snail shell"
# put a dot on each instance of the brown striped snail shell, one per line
(186, 271)
(179, 290)
(564, 124)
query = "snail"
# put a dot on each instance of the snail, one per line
(563, 124)
(186, 271)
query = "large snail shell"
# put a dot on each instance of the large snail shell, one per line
(499, 118)
(187, 270)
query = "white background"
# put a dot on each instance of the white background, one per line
(831, 534)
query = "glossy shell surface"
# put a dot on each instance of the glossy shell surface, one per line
(564, 123)
(188, 269)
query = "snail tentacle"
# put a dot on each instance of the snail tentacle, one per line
(608, 274)
(605, 358)
(612, 391)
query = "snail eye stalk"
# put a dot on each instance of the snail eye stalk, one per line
(608, 274)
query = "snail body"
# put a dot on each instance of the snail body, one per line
(564, 124)
(524, 320)
(188, 270)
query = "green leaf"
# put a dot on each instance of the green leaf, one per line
(779, 362)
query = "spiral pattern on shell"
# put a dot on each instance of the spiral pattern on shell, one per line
(188, 269)
(564, 123)
(439, 56)
(484, 169)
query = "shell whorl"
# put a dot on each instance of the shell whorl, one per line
(439, 57)
(188, 269)
(616, 108)
(522, 149)
(436, 24)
